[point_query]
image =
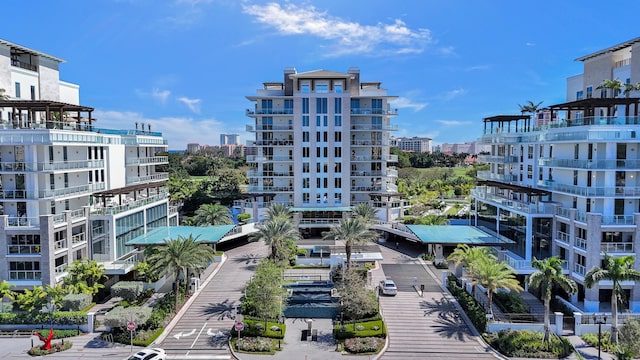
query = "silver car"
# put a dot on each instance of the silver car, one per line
(387, 287)
(149, 354)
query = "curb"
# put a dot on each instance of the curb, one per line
(187, 304)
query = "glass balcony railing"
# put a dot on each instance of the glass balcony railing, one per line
(372, 127)
(152, 160)
(74, 190)
(147, 178)
(580, 243)
(563, 237)
(251, 128)
(579, 269)
(616, 247)
(497, 159)
(270, 111)
(488, 175)
(591, 191)
(373, 111)
(591, 164)
(262, 158)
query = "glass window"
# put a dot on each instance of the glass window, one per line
(33, 92)
(305, 136)
(338, 151)
(305, 105)
(17, 90)
(338, 136)
(337, 120)
(305, 86)
(337, 107)
(321, 86)
(305, 120)
(321, 105)
(338, 86)
(305, 167)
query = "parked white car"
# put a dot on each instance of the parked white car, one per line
(149, 354)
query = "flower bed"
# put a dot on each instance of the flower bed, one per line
(529, 344)
(55, 347)
(255, 344)
(362, 345)
(373, 328)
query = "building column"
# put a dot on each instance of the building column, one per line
(254, 205)
(592, 299)
(634, 301)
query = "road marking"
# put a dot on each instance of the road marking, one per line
(178, 335)
(196, 339)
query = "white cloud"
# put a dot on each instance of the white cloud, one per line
(454, 122)
(179, 131)
(349, 37)
(403, 103)
(450, 95)
(192, 104)
(477, 67)
(530, 43)
(161, 95)
(447, 51)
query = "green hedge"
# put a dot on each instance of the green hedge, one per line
(76, 302)
(57, 318)
(140, 338)
(474, 311)
(375, 328)
(59, 334)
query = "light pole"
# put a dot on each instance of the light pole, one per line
(602, 319)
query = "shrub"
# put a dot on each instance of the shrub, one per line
(592, 340)
(59, 334)
(57, 318)
(141, 338)
(362, 329)
(630, 336)
(119, 316)
(428, 257)
(255, 327)
(363, 345)
(474, 311)
(76, 302)
(244, 217)
(127, 290)
(55, 347)
(254, 344)
(529, 344)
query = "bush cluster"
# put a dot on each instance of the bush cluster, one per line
(140, 338)
(55, 347)
(363, 345)
(474, 311)
(255, 344)
(255, 327)
(59, 334)
(529, 344)
(76, 302)
(127, 290)
(605, 345)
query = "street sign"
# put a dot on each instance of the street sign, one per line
(131, 325)
(239, 326)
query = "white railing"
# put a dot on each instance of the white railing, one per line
(579, 269)
(564, 237)
(613, 247)
(78, 238)
(580, 243)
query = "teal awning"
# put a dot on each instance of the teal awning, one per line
(205, 234)
(328, 208)
(455, 234)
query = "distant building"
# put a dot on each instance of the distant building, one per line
(233, 150)
(193, 148)
(414, 144)
(229, 139)
(465, 148)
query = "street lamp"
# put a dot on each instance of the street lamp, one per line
(602, 319)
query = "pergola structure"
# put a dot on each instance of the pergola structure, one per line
(131, 189)
(503, 123)
(54, 114)
(589, 106)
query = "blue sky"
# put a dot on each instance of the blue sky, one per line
(185, 66)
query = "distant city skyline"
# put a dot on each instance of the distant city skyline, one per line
(185, 66)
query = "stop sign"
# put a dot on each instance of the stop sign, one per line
(131, 325)
(239, 326)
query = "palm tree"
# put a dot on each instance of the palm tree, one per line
(352, 232)
(550, 272)
(614, 85)
(365, 212)
(56, 293)
(616, 270)
(629, 88)
(85, 276)
(277, 210)
(6, 292)
(277, 233)
(178, 256)
(530, 107)
(3, 95)
(493, 275)
(468, 256)
(212, 214)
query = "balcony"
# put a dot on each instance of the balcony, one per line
(27, 250)
(253, 113)
(580, 243)
(78, 239)
(366, 188)
(497, 159)
(122, 266)
(275, 142)
(579, 269)
(369, 143)
(372, 127)
(488, 175)
(18, 194)
(616, 247)
(319, 221)
(563, 237)
(373, 111)
(628, 165)
(256, 173)
(71, 191)
(269, 189)
(148, 178)
(389, 158)
(24, 65)
(258, 128)
(113, 209)
(60, 245)
(152, 160)
(262, 158)
(616, 134)
(61, 270)
(616, 191)
(51, 166)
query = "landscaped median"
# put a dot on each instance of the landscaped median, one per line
(255, 337)
(366, 336)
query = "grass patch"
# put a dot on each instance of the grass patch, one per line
(256, 328)
(605, 345)
(373, 328)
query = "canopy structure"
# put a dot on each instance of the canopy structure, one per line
(204, 234)
(328, 208)
(455, 234)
